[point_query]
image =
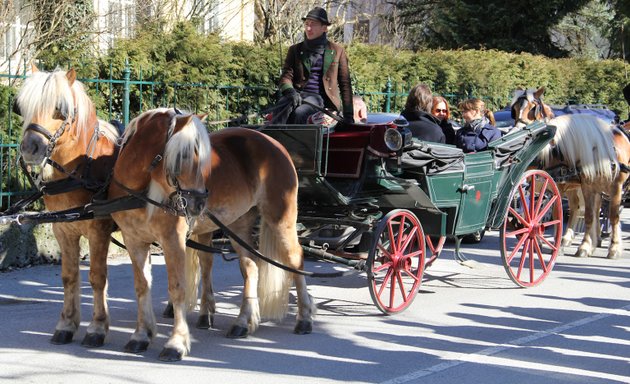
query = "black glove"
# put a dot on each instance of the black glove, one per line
(294, 96)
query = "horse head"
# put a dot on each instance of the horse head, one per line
(527, 107)
(52, 106)
(187, 163)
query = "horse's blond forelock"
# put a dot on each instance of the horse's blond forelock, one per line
(182, 145)
(43, 92)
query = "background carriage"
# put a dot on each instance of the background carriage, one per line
(372, 198)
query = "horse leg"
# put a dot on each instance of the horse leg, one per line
(208, 303)
(592, 202)
(173, 244)
(574, 209)
(616, 246)
(71, 313)
(99, 245)
(146, 327)
(248, 318)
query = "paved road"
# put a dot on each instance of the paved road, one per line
(467, 325)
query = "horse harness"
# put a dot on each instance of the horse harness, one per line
(73, 180)
(539, 110)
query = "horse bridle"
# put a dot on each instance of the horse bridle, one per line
(539, 110)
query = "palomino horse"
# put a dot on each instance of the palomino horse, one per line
(596, 156)
(76, 153)
(246, 175)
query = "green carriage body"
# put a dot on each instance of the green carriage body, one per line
(450, 192)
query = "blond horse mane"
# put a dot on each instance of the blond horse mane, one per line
(586, 142)
(44, 92)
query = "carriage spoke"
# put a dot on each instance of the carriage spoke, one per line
(539, 251)
(523, 198)
(384, 250)
(392, 237)
(518, 216)
(402, 287)
(531, 261)
(411, 274)
(548, 206)
(385, 280)
(382, 266)
(542, 195)
(522, 261)
(518, 232)
(392, 289)
(518, 246)
(409, 238)
(532, 197)
(549, 244)
(401, 235)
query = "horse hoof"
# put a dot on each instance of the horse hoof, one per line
(613, 255)
(92, 340)
(168, 311)
(566, 243)
(205, 322)
(581, 253)
(170, 355)
(237, 332)
(135, 346)
(62, 337)
(303, 327)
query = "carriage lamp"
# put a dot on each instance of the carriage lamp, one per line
(393, 139)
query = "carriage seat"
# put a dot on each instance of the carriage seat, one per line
(430, 158)
(505, 148)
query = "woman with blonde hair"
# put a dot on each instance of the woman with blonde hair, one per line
(479, 129)
(442, 113)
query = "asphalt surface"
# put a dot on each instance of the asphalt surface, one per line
(470, 325)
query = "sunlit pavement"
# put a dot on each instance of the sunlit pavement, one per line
(470, 325)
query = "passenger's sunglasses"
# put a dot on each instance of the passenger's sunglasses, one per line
(441, 110)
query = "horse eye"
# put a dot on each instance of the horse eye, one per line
(59, 114)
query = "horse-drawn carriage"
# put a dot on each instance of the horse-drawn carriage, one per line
(373, 198)
(369, 196)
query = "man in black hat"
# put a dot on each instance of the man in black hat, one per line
(315, 70)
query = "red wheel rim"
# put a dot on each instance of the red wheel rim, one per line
(396, 261)
(532, 230)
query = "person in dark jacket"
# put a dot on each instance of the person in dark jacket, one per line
(479, 129)
(422, 124)
(316, 71)
(442, 111)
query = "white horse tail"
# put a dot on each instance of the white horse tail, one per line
(191, 273)
(273, 283)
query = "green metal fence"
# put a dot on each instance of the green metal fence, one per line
(126, 97)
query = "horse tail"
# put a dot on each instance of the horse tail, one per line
(191, 273)
(273, 282)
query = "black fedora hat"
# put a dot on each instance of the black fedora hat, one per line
(318, 14)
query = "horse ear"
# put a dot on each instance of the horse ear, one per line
(538, 94)
(182, 121)
(202, 116)
(34, 68)
(71, 75)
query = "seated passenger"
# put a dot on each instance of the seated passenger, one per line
(479, 129)
(360, 109)
(442, 112)
(422, 124)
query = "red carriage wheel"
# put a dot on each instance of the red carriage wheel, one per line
(396, 260)
(532, 229)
